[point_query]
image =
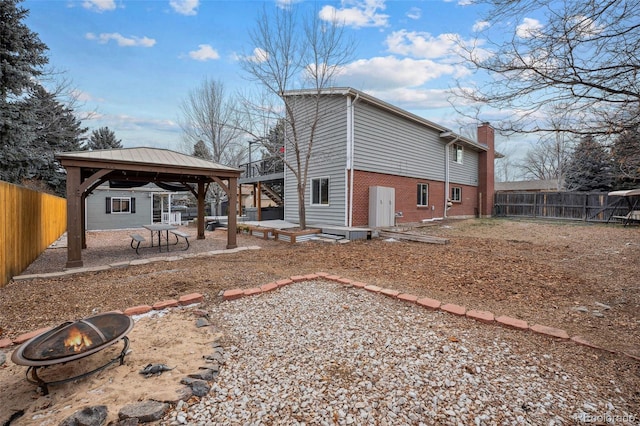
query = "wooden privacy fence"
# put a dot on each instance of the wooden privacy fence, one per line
(586, 206)
(29, 222)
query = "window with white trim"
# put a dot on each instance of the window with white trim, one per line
(320, 191)
(120, 205)
(457, 152)
(423, 194)
(456, 194)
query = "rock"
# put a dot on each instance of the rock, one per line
(200, 387)
(202, 322)
(205, 374)
(88, 416)
(580, 309)
(602, 305)
(597, 314)
(148, 411)
(126, 422)
(3, 358)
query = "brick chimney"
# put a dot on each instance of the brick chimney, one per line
(486, 170)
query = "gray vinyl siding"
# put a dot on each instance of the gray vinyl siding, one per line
(328, 160)
(387, 143)
(467, 172)
(97, 218)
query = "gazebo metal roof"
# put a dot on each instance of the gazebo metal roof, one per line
(86, 170)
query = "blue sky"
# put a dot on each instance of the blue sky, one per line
(134, 62)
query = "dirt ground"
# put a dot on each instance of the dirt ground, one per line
(583, 278)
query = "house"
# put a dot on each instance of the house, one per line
(116, 206)
(374, 164)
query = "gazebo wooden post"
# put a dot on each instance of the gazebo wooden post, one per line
(232, 214)
(201, 193)
(74, 218)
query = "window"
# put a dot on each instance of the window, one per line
(423, 194)
(320, 191)
(456, 194)
(119, 205)
(456, 153)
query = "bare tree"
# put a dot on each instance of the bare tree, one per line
(548, 159)
(210, 115)
(293, 53)
(583, 53)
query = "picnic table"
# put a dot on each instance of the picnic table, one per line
(159, 228)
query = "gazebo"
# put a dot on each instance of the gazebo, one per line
(86, 170)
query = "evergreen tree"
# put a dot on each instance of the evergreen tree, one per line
(21, 59)
(55, 129)
(200, 150)
(103, 138)
(626, 158)
(590, 168)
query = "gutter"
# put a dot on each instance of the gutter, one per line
(446, 168)
(350, 154)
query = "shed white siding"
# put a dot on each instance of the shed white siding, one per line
(97, 217)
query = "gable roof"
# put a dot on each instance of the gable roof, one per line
(361, 96)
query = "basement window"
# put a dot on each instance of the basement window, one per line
(320, 192)
(456, 194)
(423, 194)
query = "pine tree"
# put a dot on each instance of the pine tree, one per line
(590, 168)
(103, 138)
(21, 51)
(56, 129)
(21, 60)
(200, 150)
(626, 158)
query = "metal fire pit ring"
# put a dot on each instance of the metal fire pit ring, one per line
(44, 349)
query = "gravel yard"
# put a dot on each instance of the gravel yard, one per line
(324, 354)
(318, 352)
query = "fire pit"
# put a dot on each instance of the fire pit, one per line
(71, 341)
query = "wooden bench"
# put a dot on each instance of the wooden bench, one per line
(183, 235)
(138, 239)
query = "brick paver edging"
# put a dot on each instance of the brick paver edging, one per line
(485, 317)
(185, 300)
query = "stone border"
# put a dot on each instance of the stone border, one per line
(428, 303)
(134, 262)
(485, 317)
(183, 301)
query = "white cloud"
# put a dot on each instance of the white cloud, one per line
(480, 25)
(421, 44)
(99, 5)
(528, 28)
(414, 13)
(84, 96)
(284, 4)
(185, 7)
(389, 72)
(204, 53)
(363, 13)
(259, 55)
(132, 41)
(415, 99)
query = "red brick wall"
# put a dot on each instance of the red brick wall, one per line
(486, 168)
(406, 198)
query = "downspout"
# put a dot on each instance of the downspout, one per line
(350, 152)
(446, 169)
